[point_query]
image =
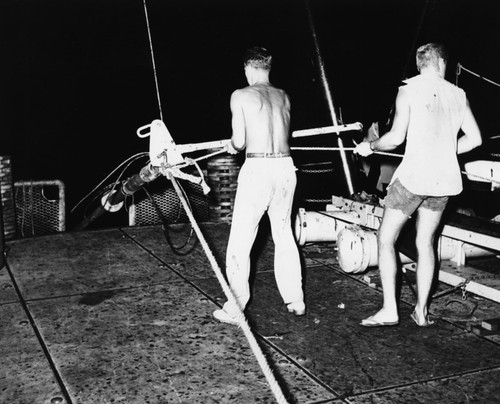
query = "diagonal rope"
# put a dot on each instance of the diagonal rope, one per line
(273, 384)
(240, 317)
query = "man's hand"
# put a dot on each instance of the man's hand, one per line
(363, 149)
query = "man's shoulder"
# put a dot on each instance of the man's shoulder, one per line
(240, 94)
(239, 91)
(243, 92)
(412, 81)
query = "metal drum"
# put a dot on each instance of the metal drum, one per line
(357, 249)
(311, 226)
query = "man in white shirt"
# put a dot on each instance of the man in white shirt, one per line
(430, 113)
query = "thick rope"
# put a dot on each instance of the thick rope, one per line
(278, 394)
(240, 317)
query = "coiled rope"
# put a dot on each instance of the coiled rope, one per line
(240, 317)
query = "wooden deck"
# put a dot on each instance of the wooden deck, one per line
(114, 316)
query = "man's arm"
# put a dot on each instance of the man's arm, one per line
(238, 140)
(472, 134)
(396, 136)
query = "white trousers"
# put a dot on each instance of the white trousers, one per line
(264, 185)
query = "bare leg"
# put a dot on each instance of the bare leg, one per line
(388, 233)
(427, 224)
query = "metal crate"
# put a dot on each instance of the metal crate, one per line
(40, 207)
(160, 198)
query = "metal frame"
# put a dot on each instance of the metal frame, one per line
(61, 207)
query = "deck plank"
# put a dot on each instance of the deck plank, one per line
(25, 373)
(124, 318)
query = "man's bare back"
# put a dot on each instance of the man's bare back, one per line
(261, 118)
(266, 183)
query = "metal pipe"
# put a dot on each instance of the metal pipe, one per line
(357, 246)
(357, 249)
(113, 200)
(329, 99)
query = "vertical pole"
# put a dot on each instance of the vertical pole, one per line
(411, 52)
(329, 99)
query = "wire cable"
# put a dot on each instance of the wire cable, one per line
(165, 226)
(153, 59)
(128, 161)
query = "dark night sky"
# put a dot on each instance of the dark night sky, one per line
(77, 78)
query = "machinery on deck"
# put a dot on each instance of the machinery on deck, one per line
(352, 225)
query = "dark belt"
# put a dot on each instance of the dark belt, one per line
(267, 155)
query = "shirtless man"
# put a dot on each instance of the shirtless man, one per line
(430, 113)
(266, 183)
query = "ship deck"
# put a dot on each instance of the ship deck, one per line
(114, 316)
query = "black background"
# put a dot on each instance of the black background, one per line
(77, 77)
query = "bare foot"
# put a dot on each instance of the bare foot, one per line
(380, 319)
(421, 319)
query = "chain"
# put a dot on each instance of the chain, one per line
(464, 289)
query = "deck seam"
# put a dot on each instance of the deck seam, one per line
(39, 337)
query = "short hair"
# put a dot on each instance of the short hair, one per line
(429, 55)
(258, 58)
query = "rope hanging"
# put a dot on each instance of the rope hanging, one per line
(240, 317)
